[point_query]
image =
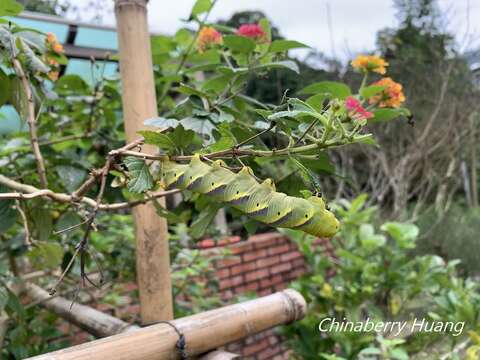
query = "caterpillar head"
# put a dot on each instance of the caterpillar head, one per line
(323, 223)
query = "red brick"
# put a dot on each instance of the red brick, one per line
(241, 247)
(223, 273)
(230, 261)
(268, 261)
(266, 353)
(255, 275)
(254, 348)
(279, 249)
(205, 244)
(298, 262)
(273, 339)
(255, 254)
(277, 279)
(291, 256)
(253, 286)
(243, 268)
(267, 241)
(264, 292)
(230, 282)
(266, 283)
(229, 240)
(280, 268)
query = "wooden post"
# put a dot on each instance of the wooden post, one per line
(89, 319)
(139, 104)
(203, 332)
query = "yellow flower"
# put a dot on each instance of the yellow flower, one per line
(207, 37)
(58, 48)
(326, 291)
(367, 63)
(391, 96)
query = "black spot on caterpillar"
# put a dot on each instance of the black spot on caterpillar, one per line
(259, 201)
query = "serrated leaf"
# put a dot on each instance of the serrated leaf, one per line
(161, 122)
(369, 91)
(200, 225)
(286, 64)
(335, 89)
(285, 45)
(239, 44)
(160, 140)
(140, 178)
(389, 114)
(46, 255)
(70, 176)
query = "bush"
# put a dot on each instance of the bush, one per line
(373, 275)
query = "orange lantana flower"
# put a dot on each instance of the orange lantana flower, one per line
(367, 63)
(51, 38)
(58, 48)
(391, 96)
(207, 37)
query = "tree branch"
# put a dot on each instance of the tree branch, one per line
(32, 123)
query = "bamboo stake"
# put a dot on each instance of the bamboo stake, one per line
(203, 332)
(139, 104)
(93, 321)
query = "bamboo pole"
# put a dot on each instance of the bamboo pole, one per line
(93, 321)
(203, 332)
(139, 104)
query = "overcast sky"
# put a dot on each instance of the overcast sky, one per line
(354, 23)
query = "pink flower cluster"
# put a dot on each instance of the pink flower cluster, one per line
(356, 110)
(253, 31)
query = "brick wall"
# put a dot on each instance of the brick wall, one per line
(261, 265)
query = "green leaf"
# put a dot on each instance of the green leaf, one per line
(285, 45)
(286, 64)
(46, 255)
(239, 44)
(162, 123)
(42, 219)
(369, 91)
(10, 8)
(140, 177)
(3, 298)
(70, 176)
(200, 7)
(332, 88)
(160, 140)
(226, 140)
(316, 101)
(5, 89)
(265, 25)
(8, 215)
(71, 82)
(200, 225)
(181, 137)
(389, 114)
(404, 234)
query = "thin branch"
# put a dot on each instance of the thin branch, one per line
(29, 192)
(28, 240)
(32, 124)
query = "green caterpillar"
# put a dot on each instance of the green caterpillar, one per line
(259, 201)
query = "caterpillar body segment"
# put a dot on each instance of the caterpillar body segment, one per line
(259, 201)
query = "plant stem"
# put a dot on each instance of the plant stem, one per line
(32, 123)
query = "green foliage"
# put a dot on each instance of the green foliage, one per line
(373, 275)
(453, 235)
